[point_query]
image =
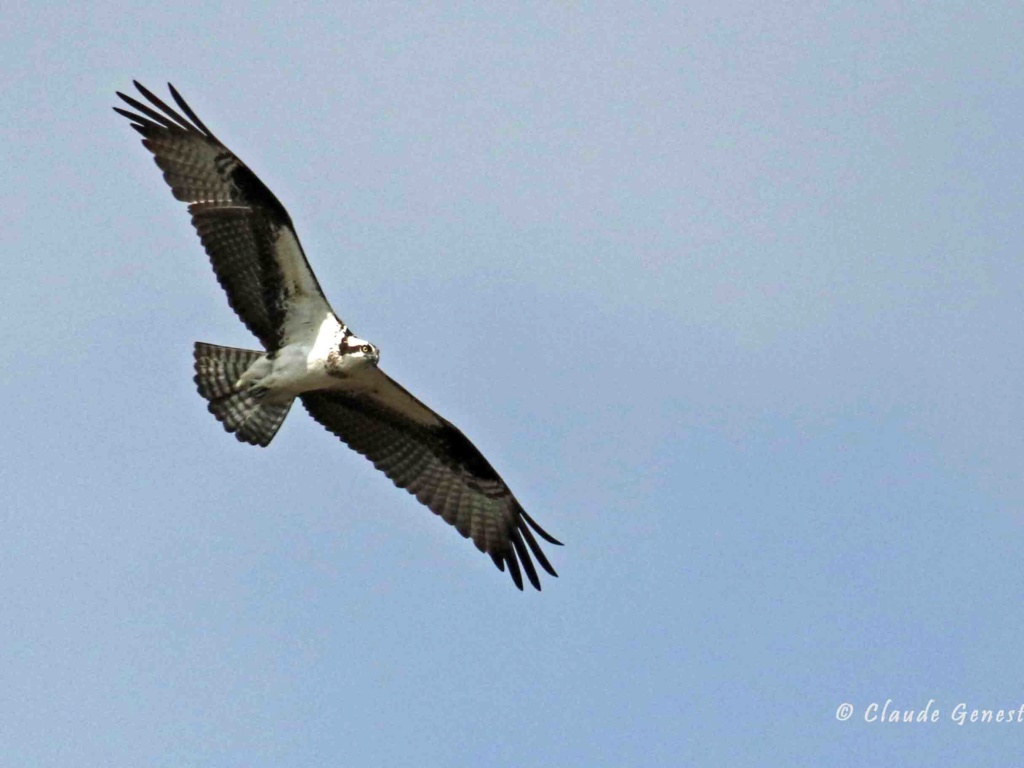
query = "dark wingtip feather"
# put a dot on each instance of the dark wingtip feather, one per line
(540, 531)
(138, 123)
(537, 551)
(169, 111)
(513, 570)
(524, 558)
(155, 118)
(188, 111)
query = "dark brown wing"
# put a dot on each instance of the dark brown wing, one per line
(429, 457)
(245, 230)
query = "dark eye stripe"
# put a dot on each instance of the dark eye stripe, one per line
(366, 349)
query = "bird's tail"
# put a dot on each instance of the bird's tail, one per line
(218, 370)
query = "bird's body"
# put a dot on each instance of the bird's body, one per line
(311, 361)
(310, 353)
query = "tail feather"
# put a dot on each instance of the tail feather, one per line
(218, 370)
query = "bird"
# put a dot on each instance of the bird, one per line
(309, 353)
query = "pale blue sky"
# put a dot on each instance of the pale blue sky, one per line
(729, 293)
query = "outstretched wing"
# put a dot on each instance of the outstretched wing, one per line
(428, 456)
(245, 230)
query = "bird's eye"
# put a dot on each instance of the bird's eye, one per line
(365, 349)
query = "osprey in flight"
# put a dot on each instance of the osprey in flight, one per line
(310, 353)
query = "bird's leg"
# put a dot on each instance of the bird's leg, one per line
(254, 381)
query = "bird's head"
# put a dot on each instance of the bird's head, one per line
(354, 349)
